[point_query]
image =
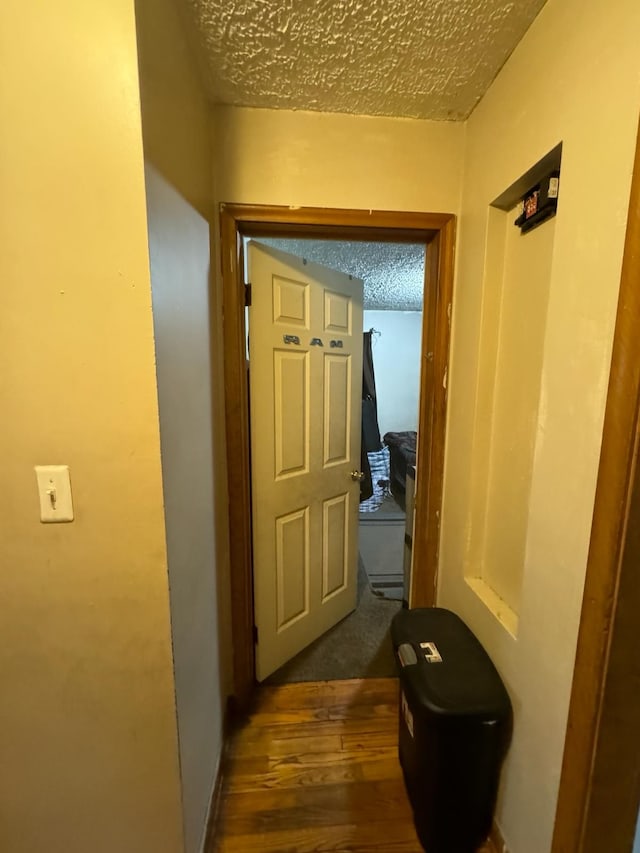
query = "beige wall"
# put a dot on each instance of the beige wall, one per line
(177, 147)
(87, 722)
(574, 78)
(515, 300)
(329, 160)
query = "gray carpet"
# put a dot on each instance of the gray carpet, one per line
(357, 647)
(382, 552)
(381, 541)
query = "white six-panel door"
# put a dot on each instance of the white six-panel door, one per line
(305, 357)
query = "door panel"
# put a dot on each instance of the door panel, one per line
(290, 302)
(337, 312)
(337, 409)
(291, 384)
(335, 545)
(292, 566)
(305, 349)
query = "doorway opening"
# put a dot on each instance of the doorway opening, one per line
(352, 642)
(436, 232)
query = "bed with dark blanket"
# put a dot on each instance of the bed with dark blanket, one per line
(402, 452)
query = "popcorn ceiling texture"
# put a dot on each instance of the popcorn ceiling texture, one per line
(428, 59)
(393, 273)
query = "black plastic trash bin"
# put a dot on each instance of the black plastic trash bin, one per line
(455, 728)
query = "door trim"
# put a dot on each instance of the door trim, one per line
(437, 232)
(600, 782)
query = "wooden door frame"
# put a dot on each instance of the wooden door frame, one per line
(437, 232)
(600, 782)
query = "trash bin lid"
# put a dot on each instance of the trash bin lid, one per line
(452, 673)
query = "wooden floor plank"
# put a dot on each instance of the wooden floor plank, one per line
(325, 805)
(370, 740)
(303, 743)
(320, 694)
(363, 838)
(252, 734)
(341, 711)
(314, 769)
(387, 711)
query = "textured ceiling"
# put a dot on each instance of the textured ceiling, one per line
(393, 273)
(417, 58)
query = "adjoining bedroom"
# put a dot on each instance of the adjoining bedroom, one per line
(393, 275)
(389, 437)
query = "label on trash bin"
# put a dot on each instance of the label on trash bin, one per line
(407, 716)
(431, 653)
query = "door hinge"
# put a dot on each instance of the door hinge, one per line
(247, 295)
(255, 635)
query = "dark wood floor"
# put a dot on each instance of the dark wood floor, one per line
(315, 770)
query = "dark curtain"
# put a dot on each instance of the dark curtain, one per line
(370, 429)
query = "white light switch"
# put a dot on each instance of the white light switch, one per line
(54, 489)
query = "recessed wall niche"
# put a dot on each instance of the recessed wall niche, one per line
(515, 298)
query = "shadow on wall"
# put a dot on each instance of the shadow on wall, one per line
(187, 318)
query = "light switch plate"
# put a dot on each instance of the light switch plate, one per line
(54, 490)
